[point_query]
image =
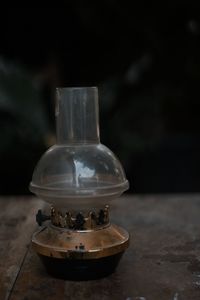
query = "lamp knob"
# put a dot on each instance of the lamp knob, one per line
(40, 217)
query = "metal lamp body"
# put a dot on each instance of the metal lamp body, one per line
(80, 178)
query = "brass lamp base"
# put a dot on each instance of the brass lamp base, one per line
(80, 255)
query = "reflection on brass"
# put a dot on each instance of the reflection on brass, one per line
(55, 242)
(77, 235)
(79, 221)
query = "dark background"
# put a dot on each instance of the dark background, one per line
(145, 59)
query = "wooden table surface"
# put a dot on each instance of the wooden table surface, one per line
(162, 262)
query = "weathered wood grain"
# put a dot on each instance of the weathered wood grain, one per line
(163, 261)
(17, 223)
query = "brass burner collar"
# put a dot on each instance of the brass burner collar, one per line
(80, 221)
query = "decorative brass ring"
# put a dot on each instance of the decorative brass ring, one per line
(79, 221)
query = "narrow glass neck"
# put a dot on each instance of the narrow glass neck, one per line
(77, 115)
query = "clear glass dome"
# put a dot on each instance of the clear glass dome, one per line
(78, 172)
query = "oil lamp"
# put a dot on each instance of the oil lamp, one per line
(79, 177)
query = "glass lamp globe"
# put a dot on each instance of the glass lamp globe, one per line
(79, 177)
